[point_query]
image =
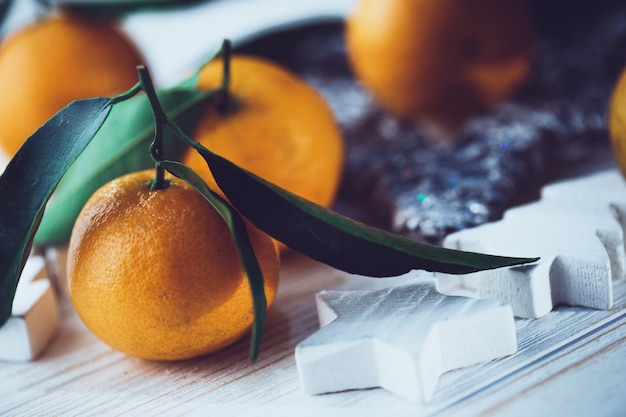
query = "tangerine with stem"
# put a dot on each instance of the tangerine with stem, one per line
(153, 270)
(270, 122)
(155, 273)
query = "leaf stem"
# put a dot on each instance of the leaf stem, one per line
(128, 94)
(160, 121)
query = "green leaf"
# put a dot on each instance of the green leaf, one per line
(240, 237)
(113, 8)
(30, 178)
(120, 147)
(331, 238)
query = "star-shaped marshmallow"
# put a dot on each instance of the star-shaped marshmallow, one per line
(401, 339)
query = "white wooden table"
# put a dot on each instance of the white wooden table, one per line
(570, 362)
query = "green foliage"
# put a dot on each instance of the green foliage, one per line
(333, 239)
(239, 234)
(134, 132)
(30, 178)
(118, 148)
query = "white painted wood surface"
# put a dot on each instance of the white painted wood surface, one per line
(401, 338)
(569, 362)
(572, 359)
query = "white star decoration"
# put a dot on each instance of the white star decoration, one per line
(577, 228)
(34, 318)
(401, 339)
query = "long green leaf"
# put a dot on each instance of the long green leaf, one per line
(114, 8)
(30, 178)
(240, 237)
(331, 238)
(118, 148)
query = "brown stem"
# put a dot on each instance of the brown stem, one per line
(160, 121)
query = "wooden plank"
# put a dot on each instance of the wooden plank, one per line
(79, 374)
(549, 348)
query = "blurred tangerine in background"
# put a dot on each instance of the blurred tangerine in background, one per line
(55, 60)
(274, 125)
(440, 62)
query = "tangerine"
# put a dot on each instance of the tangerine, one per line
(275, 125)
(617, 122)
(155, 274)
(439, 61)
(53, 61)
